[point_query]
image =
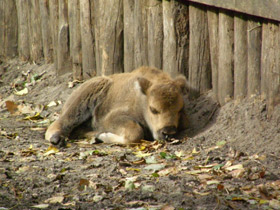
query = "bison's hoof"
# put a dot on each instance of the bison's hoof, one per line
(58, 140)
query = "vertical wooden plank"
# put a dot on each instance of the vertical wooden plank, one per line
(2, 26)
(265, 60)
(54, 27)
(254, 57)
(87, 37)
(240, 57)
(273, 65)
(225, 69)
(110, 36)
(199, 56)
(35, 32)
(23, 29)
(140, 34)
(176, 37)
(10, 29)
(128, 8)
(213, 27)
(155, 33)
(63, 51)
(46, 32)
(75, 38)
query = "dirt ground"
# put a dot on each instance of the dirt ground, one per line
(229, 157)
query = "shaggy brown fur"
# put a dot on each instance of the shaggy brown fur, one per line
(125, 108)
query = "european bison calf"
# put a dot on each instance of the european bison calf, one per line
(125, 108)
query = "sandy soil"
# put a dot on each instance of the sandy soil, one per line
(229, 157)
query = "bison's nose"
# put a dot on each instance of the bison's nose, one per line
(168, 131)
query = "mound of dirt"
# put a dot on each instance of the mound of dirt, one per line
(229, 158)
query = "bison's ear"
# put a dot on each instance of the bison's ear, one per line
(143, 84)
(182, 83)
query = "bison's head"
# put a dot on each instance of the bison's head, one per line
(164, 105)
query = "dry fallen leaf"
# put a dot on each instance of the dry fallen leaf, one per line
(41, 206)
(22, 92)
(55, 199)
(234, 167)
(11, 106)
(210, 182)
(238, 173)
(51, 150)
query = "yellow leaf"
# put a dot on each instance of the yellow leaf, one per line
(133, 169)
(263, 201)
(141, 154)
(179, 154)
(21, 92)
(51, 150)
(34, 117)
(194, 151)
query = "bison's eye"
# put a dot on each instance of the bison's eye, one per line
(154, 111)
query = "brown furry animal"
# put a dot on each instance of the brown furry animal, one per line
(125, 108)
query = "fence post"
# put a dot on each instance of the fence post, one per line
(23, 29)
(213, 27)
(54, 28)
(254, 57)
(155, 33)
(35, 32)
(225, 69)
(128, 12)
(199, 56)
(176, 37)
(87, 37)
(240, 57)
(46, 32)
(110, 36)
(75, 38)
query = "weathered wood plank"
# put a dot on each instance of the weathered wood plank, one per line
(54, 27)
(265, 60)
(225, 69)
(273, 66)
(155, 33)
(240, 57)
(9, 29)
(36, 41)
(268, 9)
(199, 55)
(87, 37)
(128, 8)
(254, 33)
(110, 36)
(63, 51)
(140, 34)
(23, 29)
(2, 26)
(213, 27)
(75, 38)
(176, 37)
(46, 32)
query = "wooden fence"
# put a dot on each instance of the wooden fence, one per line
(230, 46)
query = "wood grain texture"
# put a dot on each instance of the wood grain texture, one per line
(268, 9)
